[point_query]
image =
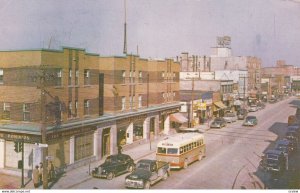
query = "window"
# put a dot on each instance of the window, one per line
(161, 150)
(174, 74)
(58, 77)
(123, 103)
(70, 109)
(6, 110)
(140, 101)
(123, 76)
(140, 76)
(1, 76)
(26, 112)
(84, 146)
(70, 77)
(172, 151)
(86, 107)
(131, 101)
(162, 74)
(76, 77)
(76, 108)
(86, 77)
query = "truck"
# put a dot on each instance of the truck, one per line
(274, 161)
(147, 173)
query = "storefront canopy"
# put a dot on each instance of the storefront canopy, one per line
(178, 117)
(220, 105)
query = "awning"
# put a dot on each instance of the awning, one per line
(178, 117)
(220, 105)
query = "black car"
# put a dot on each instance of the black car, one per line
(114, 165)
(218, 122)
(273, 160)
(285, 146)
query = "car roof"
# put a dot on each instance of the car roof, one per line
(251, 117)
(283, 142)
(273, 151)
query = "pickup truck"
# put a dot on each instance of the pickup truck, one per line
(147, 173)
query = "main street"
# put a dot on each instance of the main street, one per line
(232, 159)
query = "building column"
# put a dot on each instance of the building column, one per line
(113, 139)
(98, 144)
(146, 128)
(167, 125)
(2, 153)
(129, 134)
(156, 126)
(72, 149)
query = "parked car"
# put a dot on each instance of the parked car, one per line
(285, 146)
(253, 108)
(250, 121)
(272, 100)
(218, 122)
(242, 114)
(292, 134)
(273, 160)
(188, 130)
(260, 105)
(147, 173)
(114, 165)
(230, 117)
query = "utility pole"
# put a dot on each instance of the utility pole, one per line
(147, 89)
(43, 129)
(192, 106)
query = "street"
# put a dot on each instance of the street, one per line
(232, 159)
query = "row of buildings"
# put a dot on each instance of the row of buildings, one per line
(92, 104)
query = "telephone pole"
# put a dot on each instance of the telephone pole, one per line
(192, 106)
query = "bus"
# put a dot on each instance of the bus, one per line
(181, 150)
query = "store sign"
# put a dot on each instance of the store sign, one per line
(19, 137)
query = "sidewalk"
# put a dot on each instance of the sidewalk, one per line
(81, 174)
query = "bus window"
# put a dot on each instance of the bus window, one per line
(172, 151)
(161, 150)
(181, 150)
(190, 147)
(195, 144)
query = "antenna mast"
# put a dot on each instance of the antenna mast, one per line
(125, 35)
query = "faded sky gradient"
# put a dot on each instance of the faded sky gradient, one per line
(269, 29)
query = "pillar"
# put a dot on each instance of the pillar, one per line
(2, 153)
(146, 128)
(72, 150)
(156, 126)
(98, 143)
(167, 125)
(129, 134)
(113, 140)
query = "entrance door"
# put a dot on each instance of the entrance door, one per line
(105, 142)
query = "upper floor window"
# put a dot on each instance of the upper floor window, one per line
(6, 110)
(58, 77)
(70, 109)
(123, 103)
(140, 101)
(86, 77)
(26, 112)
(123, 76)
(76, 77)
(140, 76)
(86, 107)
(70, 76)
(76, 108)
(1, 76)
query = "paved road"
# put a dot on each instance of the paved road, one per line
(232, 157)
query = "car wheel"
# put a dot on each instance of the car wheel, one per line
(147, 185)
(130, 168)
(185, 164)
(110, 176)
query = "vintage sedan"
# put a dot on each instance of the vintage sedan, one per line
(253, 108)
(230, 117)
(114, 165)
(218, 122)
(250, 121)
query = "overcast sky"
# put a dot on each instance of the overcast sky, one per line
(269, 29)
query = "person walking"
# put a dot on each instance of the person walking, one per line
(35, 176)
(51, 170)
(41, 173)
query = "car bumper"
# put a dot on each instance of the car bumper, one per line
(134, 184)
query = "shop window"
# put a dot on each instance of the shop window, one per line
(26, 112)
(84, 146)
(138, 131)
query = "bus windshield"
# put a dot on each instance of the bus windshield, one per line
(172, 151)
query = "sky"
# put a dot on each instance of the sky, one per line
(268, 29)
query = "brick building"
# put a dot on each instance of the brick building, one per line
(94, 104)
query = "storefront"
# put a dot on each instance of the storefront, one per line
(219, 109)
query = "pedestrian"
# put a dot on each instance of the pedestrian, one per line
(41, 173)
(35, 176)
(51, 170)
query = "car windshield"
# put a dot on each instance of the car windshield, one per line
(229, 115)
(250, 118)
(272, 161)
(143, 166)
(111, 159)
(281, 147)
